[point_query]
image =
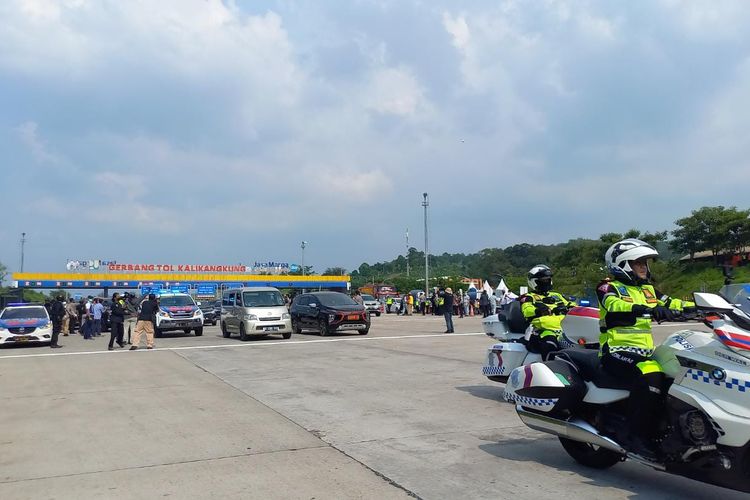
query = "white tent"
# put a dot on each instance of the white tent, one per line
(501, 289)
(486, 287)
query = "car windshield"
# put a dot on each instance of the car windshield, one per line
(176, 300)
(262, 298)
(25, 313)
(369, 298)
(336, 299)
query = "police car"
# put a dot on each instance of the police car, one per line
(22, 323)
(178, 311)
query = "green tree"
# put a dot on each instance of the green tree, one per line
(711, 228)
(334, 271)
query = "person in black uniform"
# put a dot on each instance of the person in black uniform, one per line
(116, 319)
(56, 313)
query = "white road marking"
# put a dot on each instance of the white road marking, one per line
(245, 344)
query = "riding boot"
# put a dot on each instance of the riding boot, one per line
(644, 411)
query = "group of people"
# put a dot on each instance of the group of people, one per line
(125, 314)
(462, 303)
(627, 304)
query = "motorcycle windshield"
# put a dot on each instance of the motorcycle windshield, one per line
(738, 294)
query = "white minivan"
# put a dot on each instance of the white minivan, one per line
(254, 311)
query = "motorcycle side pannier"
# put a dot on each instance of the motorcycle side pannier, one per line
(549, 387)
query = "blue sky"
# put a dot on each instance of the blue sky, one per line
(199, 131)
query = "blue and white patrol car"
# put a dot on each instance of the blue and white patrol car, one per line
(178, 311)
(23, 323)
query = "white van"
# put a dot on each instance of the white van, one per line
(254, 311)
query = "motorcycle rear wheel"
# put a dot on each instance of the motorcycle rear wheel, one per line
(590, 455)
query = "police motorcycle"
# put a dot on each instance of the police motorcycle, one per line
(704, 433)
(511, 329)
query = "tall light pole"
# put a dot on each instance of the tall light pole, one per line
(425, 204)
(304, 243)
(23, 243)
(407, 252)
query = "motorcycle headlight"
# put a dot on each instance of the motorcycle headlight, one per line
(286, 316)
(250, 317)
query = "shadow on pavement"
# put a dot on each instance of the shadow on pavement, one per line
(491, 392)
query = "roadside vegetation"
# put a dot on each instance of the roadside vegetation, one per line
(579, 263)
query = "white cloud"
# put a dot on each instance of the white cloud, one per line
(395, 91)
(458, 30)
(29, 135)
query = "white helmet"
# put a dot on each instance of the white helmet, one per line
(618, 257)
(540, 278)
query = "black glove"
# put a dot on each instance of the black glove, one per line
(541, 309)
(661, 313)
(549, 300)
(561, 309)
(640, 310)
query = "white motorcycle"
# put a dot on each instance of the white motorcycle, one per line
(580, 328)
(704, 433)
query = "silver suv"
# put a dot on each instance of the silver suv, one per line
(371, 304)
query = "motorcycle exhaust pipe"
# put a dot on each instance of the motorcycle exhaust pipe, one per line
(576, 429)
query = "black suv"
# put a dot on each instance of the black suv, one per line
(209, 313)
(328, 312)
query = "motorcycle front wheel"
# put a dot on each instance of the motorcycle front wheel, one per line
(590, 455)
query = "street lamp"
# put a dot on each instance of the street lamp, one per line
(425, 204)
(23, 242)
(304, 243)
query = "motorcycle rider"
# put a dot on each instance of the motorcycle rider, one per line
(545, 310)
(627, 304)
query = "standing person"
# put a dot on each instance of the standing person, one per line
(81, 310)
(484, 304)
(457, 309)
(447, 308)
(422, 303)
(493, 304)
(409, 304)
(71, 309)
(131, 313)
(116, 318)
(627, 304)
(465, 302)
(358, 298)
(56, 313)
(388, 304)
(97, 310)
(145, 323)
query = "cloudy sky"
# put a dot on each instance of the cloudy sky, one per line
(201, 131)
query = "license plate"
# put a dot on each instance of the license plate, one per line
(20, 339)
(353, 316)
(270, 328)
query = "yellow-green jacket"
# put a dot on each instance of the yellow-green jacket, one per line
(622, 329)
(545, 311)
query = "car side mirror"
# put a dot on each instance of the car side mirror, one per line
(313, 304)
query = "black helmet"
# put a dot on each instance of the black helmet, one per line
(540, 279)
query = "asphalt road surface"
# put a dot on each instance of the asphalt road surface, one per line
(402, 412)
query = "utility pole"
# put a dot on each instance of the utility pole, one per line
(425, 204)
(304, 243)
(23, 243)
(407, 252)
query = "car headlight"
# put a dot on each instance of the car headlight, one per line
(198, 313)
(331, 318)
(163, 314)
(3, 329)
(250, 317)
(286, 316)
